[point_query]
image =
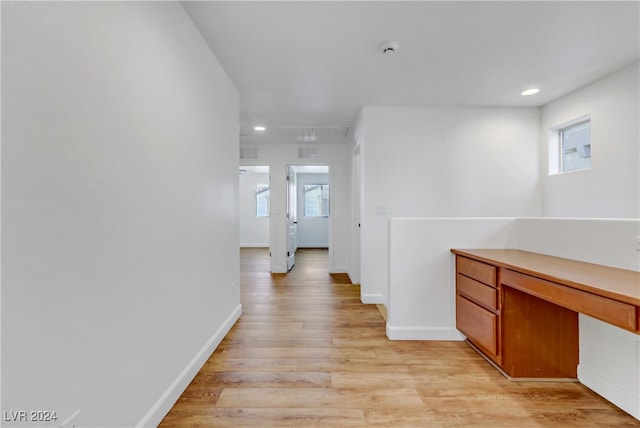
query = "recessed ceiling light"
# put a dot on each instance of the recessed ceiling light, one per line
(259, 128)
(531, 91)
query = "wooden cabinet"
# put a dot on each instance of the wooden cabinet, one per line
(520, 309)
(482, 272)
(614, 312)
(480, 325)
(477, 314)
(540, 338)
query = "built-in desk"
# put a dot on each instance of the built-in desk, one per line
(520, 309)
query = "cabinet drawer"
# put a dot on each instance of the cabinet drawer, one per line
(479, 325)
(477, 291)
(477, 270)
(608, 310)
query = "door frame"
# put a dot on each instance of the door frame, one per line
(291, 216)
(297, 167)
(356, 213)
(247, 168)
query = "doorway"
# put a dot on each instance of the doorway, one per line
(254, 199)
(308, 209)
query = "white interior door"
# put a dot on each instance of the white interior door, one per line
(292, 218)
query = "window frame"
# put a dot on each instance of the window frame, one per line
(563, 151)
(556, 147)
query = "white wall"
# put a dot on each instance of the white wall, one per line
(611, 188)
(313, 232)
(120, 262)
(254, 230)
(441, 162)
(338, 158)
(610, 242)
(422, 290)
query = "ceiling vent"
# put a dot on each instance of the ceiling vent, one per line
(307, 153)
(248, 153)
(311, 134)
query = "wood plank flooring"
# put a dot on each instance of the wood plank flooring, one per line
(307, 353)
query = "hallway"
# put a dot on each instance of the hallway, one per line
(307, 352)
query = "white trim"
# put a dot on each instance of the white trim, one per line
(161, 407)
(424, 333)
(256, 245)
(620, 397)
(279, 269)
(352, 277)
(377, 299)
(339, 269)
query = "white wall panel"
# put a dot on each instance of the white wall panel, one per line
(422, 271)
(120, 264)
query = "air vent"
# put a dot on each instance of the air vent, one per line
(307, 153)
(311, 134)
(248, 153)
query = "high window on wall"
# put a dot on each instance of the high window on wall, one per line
(262, 200)
(316, 200)
(570, 146)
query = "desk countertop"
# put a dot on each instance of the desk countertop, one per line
(618, 284)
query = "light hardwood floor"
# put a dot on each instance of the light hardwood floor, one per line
(306, 352)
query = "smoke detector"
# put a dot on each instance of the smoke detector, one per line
(389, 47)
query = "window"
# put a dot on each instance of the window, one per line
(570, 146)
(316, 200)
(575, 147)
(262, 200)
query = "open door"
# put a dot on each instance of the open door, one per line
(292, 218)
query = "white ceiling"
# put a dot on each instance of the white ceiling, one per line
(315, 64)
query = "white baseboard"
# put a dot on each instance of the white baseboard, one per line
(160, 409)
(353, 278)
(338, 269)
(626, 400)
(255, 245)
(423, 333)
(377, 299)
